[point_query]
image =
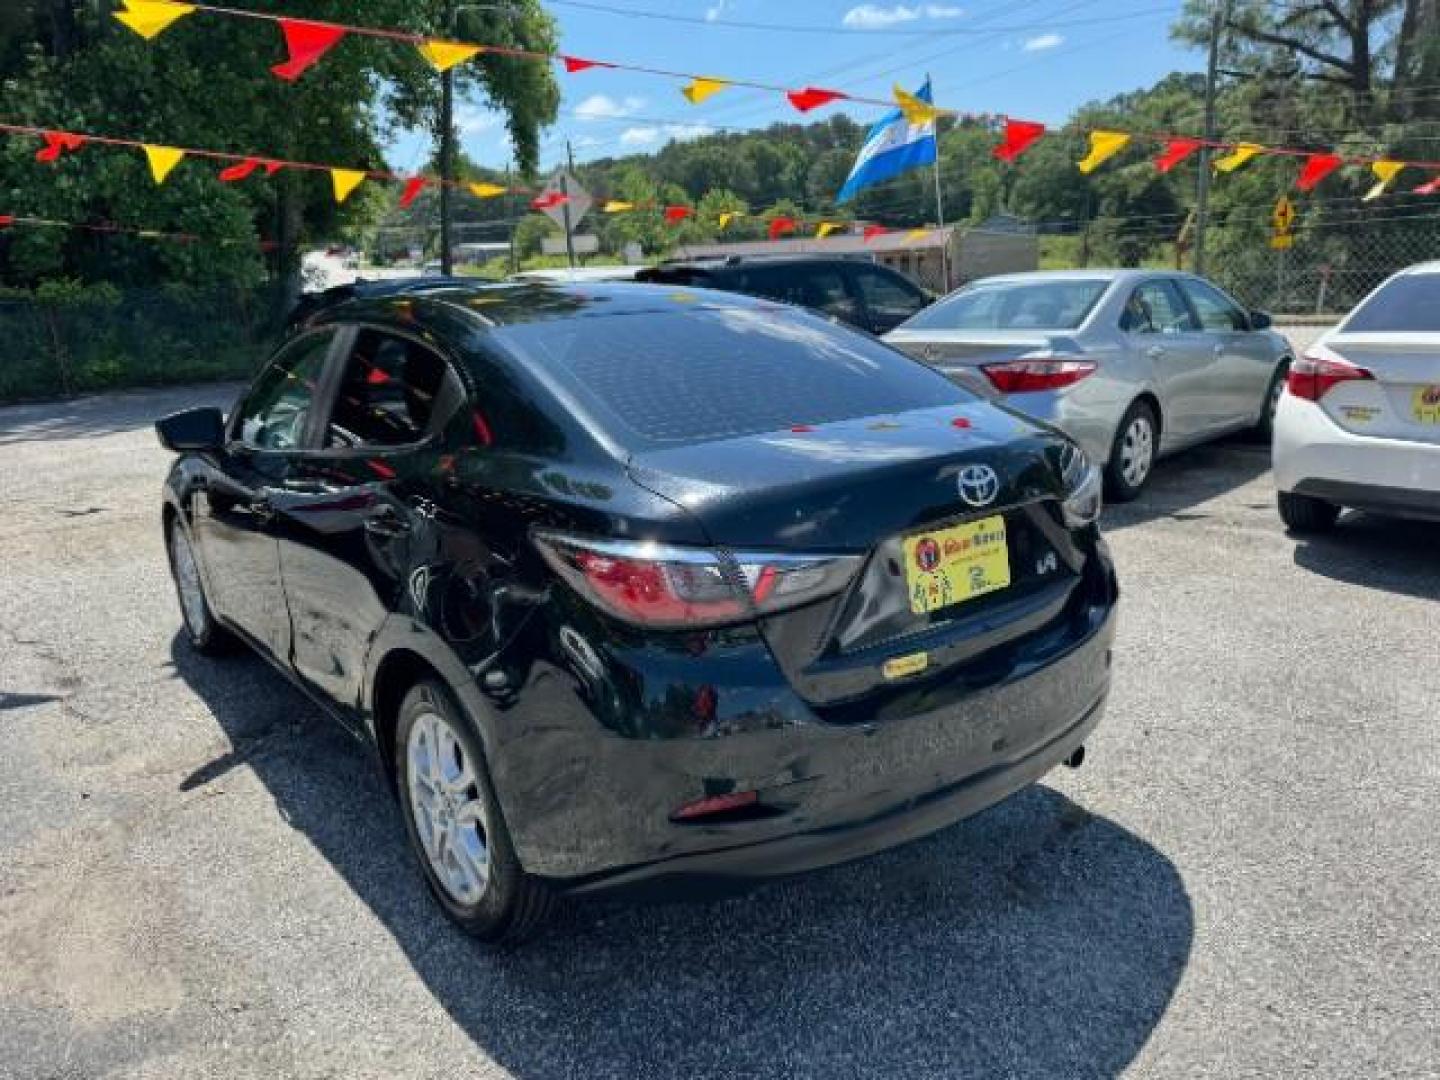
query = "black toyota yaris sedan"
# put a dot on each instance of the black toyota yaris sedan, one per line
(639, 587)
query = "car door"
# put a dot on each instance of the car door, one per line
(1245, 359)
(363, 497)
(1163, 337)
(819, 286)
(887, 298)
(235, 517)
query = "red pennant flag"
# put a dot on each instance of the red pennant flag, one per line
(1176, 151)
(549, 202)
(780, 226)
(676, 214)
(1317, 167)
(576, 63)
(872, 231)
(1430, 188)
(413, 187)
(6, 220)
(240, 171)
(56, 143)
(1019, 136)
(812, 97)
(307, 42)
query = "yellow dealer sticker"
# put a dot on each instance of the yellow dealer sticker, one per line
(902, 666)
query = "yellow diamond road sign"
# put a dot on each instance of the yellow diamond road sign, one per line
(1284, 217)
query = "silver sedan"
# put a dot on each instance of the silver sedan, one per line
(1132, 364)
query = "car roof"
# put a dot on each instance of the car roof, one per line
(516, 304)
(1432, 267)
(710, 262)
(1111, 274)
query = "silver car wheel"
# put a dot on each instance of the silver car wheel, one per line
(1137, 451)
(187, 583)
(448, 808)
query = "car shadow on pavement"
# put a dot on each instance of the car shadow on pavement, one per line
(1390, 554)
(1181, 483)
(1036, 939)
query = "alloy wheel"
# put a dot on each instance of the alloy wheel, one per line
(449, 810)
(1137, 451)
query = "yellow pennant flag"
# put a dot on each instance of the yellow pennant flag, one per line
(345, 181)
(443, 55)
(727, 216)
(487, 191)
(916, 112)
(1242, 153)
(151, 18)
(163, 160)
(616, 206)
(1385, 172)
(825, 229)
(1103, 146)
(700, 89)
(917, 234)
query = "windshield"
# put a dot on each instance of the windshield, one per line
(665, 378)
(1410, 303)
(1014, 305)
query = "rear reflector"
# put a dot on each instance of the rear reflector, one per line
(1312, 377)
(1028, 376)
(715, 804)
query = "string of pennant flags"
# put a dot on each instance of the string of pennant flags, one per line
(308, 41)
(11, 221)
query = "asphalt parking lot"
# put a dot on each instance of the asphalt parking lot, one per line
(199, 876)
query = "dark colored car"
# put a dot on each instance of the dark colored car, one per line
(633, 586)
(855, 291)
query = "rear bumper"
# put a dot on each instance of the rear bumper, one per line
(1315, 456)
(591, 809)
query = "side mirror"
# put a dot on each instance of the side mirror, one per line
(1261, 320)
(192, 430)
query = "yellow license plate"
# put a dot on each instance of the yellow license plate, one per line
(1425, 405)
(950, 566)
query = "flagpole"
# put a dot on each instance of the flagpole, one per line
(940, 205)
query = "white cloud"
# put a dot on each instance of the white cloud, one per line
(876, 17)
(473, 120)
(639, 136)
(604, 107)
(716, 10)
(1043, 42)
(649, 136)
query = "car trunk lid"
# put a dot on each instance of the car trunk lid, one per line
(961, 354)
(884, 488)
(1402, 401)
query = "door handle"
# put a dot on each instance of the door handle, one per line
(386, 522)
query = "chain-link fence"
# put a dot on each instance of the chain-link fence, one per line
(1329, 268)
(68, 339)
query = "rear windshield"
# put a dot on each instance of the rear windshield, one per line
(674, 377)
(1014, 305)
(1409, 303)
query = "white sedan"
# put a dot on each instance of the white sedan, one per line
(1358, 425)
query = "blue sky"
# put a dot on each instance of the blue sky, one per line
(1032, 58)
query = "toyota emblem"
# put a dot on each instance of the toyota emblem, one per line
(979, 485)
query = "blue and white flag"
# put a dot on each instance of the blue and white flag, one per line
(893, 146)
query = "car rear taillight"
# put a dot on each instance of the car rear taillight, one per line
(1312, 377)
(664, 585)
(1028, 376)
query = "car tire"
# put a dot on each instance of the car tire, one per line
(1132, 456)
(1303, 514)
(455, 824)
(1264, 431)
(202, 629)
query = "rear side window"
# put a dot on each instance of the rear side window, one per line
(1157, 308)
(657, 378)
(1014, 305)
(393, 393)
(1216, 310)
(820, 288)
(1410, 303)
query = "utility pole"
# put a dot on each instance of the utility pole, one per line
(447, 154)
(565, 206)
(1202, 184)
(510, 215)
